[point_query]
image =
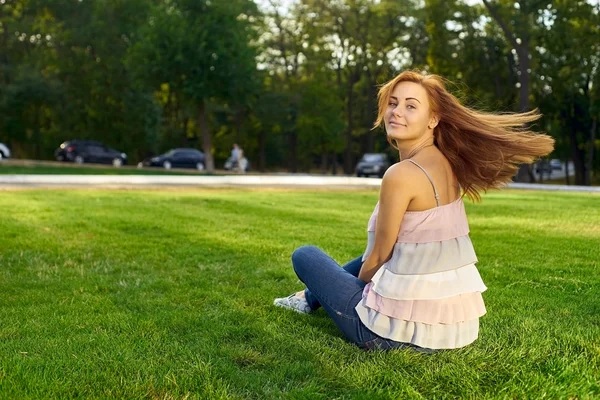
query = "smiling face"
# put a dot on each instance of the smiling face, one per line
(408, 115)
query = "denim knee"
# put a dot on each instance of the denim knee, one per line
(299, 257)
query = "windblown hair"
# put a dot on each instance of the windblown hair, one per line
(484, 149)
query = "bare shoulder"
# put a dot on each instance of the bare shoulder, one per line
(400, 183)
(401, 173)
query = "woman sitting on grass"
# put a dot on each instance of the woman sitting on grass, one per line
(417, 285)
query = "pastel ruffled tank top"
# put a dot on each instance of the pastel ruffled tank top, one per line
(429, 292)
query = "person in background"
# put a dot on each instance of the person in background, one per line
(235, 155)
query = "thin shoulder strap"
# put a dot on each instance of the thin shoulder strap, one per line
(437, 196)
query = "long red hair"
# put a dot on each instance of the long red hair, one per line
(484, 149)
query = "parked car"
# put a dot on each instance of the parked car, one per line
(4, 151)
(556, 164)
(543, 167)
(546, 166)
(373, 164)
(177, 158)
(89, 151)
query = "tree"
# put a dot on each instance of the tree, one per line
(467, 50)
(282, 55)
(320, 121)
(568, 85)
(201, 49)
(359, 40)
(66, 58)
(518, 22)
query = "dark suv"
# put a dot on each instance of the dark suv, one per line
(373, 164)
(89, 151)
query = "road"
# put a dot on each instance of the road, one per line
(222, 179)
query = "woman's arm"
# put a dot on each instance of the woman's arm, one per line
(397, 191)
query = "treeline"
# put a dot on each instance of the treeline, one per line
(294, 84)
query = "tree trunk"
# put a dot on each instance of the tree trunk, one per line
(36, 131)
(167, 114)
(525, 173)
(261, 151)
(577, 155)
(206, 138)
(293, 150)
(239, 119)
(524, 78)
(5, 62)
(292, 162)
(349, 128)
(184, 138)
(370, 145)
(334, 163)
(178, 116)
(371, 111)
(324, 161)
(590, 156)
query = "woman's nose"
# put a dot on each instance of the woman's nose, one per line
(397, 111)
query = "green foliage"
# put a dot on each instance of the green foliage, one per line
(569, 72)
(320, 124)
(202, 51)
(289, 81)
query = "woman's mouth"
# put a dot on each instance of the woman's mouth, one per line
(396, 124)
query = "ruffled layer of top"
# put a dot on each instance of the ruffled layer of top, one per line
(429, 292)
(433, 225)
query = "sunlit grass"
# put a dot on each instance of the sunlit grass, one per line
(167, 295)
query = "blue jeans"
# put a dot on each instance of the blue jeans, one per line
(338, 291)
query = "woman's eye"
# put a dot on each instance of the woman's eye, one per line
(392, 104)
(410, 106)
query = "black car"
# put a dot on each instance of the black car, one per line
(548, 166)
(177, 158)
(89, 151)
(373, 164)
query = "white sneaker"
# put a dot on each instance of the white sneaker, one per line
(293, 303)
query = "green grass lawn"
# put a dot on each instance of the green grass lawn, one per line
(167, 295)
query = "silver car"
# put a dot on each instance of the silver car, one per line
(373, 164)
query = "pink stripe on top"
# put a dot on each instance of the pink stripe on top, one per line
(463, 307)
(436, 224)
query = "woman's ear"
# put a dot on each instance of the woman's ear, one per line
(433, 122)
